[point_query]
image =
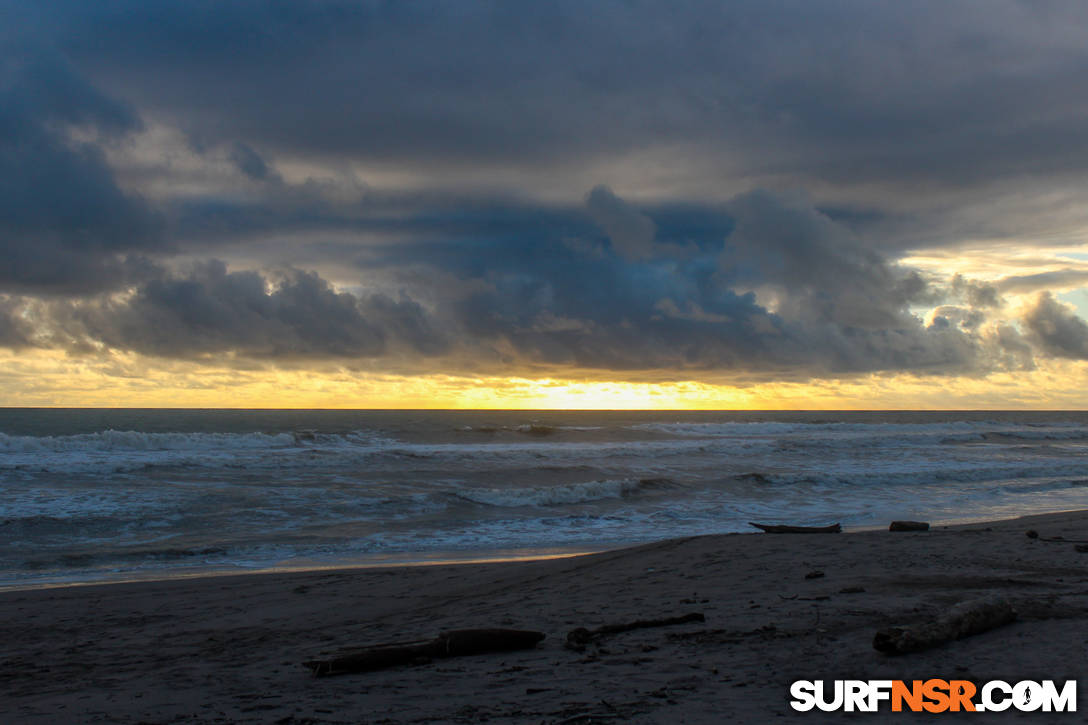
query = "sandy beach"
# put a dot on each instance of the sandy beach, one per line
(230, 649)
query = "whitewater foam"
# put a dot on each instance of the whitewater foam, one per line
(556, 495)
(91, 491)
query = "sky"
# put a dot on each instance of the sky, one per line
(765, 205)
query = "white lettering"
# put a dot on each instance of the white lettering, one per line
(1027, 696)
(993, 696)
(878, 690)
(987, 697)
(1064, 701)
(804, 698)
(833, 704)
(855, 695)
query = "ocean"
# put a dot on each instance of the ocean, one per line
(106, 495)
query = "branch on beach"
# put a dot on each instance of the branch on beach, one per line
(1033, 534)
(456, 643)
(578, 638)
(963, 620)
(776, 529)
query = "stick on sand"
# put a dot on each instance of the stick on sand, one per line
(777, 529)
(456, 643)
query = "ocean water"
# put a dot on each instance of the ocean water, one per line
(91, 495)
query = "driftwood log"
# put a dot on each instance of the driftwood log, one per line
(579, 638)
(963, 620)
(776, 529)
(1033, 534)
(909, 526)
(456, 643)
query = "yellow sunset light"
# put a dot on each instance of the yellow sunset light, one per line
(53, 379)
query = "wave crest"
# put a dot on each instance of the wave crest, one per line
(560, 495)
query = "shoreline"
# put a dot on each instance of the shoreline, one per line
(229, 648)
(449, 558)
(158, 576)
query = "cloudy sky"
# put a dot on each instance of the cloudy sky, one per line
(761, 204)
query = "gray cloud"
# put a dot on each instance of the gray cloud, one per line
(818, 269)
(837, 307)
(630, 231)
(514, 304)
(1056, 329)
(831, 92)
(977, 294)
(875, 105)
(15, 331)
(892, 120)
(250, 163)
(1009, 350)
(65, 226)
(1058, 279)
(212, 311)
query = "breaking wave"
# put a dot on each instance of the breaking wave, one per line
(560, 495)
(127, 440)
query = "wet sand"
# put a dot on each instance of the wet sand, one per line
(229, 649)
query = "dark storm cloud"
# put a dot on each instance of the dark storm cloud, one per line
(587, 303)
(839, 91)
(65, 226)
(806, 92)
(552, 305)
(765, 286)
(250, 163)
(502, 298)
(829, 93)
(1056, 329)
(902, 100)
(631, 232)
(210, 311)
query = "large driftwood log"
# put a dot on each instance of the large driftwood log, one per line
(776, 529)
(456, 643)
(963, 620)
(908, 526)
(580, 637)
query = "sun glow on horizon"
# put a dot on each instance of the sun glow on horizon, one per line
(53, 379)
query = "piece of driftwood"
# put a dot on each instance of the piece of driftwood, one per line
(1033, 534)
(580, 637)
(456, 643)
(962, 620)
(909, 526)
(776, 529)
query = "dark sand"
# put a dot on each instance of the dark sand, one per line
(229, 649)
